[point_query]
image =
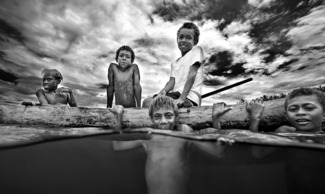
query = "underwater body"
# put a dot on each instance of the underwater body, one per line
(57, 159)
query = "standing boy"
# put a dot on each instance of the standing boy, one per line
(186, 76)
(124, 80)
(167, 165)
(51, 93)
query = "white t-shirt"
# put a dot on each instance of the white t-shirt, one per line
(180, 69)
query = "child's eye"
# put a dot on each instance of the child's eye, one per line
(309, 108)
(156, 116)
(169, 116)
(292, 109)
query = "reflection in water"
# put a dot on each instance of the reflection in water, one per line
(167, 165)
(175, 164)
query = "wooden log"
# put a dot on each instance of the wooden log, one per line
(196, 117)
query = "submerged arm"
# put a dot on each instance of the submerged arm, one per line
(137, 86)
(110, 88)
(126, 145)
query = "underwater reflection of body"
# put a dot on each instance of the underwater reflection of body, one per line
(167, 165)
(90, 165)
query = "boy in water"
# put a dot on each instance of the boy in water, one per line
(124, 80)
(186, 77)
(168, 157)
(304, 108)
(51, 93)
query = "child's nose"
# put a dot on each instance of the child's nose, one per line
(163, 121)
(301, 111)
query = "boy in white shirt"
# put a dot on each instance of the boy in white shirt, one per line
(186, 77)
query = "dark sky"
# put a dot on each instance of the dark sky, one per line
(279, 43)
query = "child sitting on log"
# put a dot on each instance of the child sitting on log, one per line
(167, 165)
(124, 80)
(53, 95)
(304, 109)
(186, 76)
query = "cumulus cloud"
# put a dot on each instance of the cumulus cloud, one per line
(252, 38)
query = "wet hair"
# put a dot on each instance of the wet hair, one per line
(162, 102)
(125, 48)
(306, 92)
(190, 25)
(54, 73)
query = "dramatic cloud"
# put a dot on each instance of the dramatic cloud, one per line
(279, 43)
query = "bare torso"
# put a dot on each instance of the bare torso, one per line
(54, 98)
(167, 165)
(124, 87)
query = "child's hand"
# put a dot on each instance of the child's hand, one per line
(162, 93)
(117, 109)
(64, 90)
(225, 141)
(255, 109)
(285, 129)
(218, 110)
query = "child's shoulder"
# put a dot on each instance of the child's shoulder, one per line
(184, 128)
(112, 65)
(40, 91)
(197, 48)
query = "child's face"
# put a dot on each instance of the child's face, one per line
(305, 113)
(50, 83)
(164, 118)
(185, 40)
(124, 58)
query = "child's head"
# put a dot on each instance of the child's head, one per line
(187, 36)
(51, 79)
(124, 56)
(304, 109)
(163, 112)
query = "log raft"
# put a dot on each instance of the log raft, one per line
(196, 117)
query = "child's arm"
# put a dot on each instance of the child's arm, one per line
(218, 109)
(255, 110)
(216, 149)
(168, 87)
(126, 145)
(41, 97)
(189, 82)
(137, 86)
(285, 129)
(118, 111)
(110, 88)
(70, 98)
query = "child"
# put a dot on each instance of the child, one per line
(124, 80)
(186, 77)
(51, 93)
(168, 157)
(304, 108)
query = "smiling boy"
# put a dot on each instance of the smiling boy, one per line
(167, 164)
(124, 80)
(186, 76)
(51, 93)
(304, 109)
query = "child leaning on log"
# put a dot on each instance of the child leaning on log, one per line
(167, 164)
(53, 95)
(304, 109)
(124, 80)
